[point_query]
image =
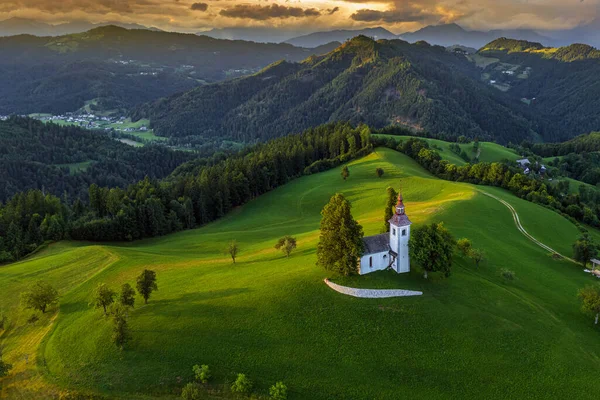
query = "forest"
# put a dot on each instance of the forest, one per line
(196, 193)
(41, 156)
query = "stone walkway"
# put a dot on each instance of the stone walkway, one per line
(371, 293)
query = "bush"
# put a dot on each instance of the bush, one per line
(379, 172)
(507, 274)
(278, 391)
(202, 373)
(242, 384)
(190, 392)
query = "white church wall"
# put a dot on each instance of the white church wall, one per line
(374, 262)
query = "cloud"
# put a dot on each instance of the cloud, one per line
(263, 13)
(333, 10)
(199, 7)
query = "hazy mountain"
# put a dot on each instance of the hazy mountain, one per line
(376, 82)
(451, 34)
(22, 26)
(319, 38)
(588, 34)
(253, 34)
(118, 68)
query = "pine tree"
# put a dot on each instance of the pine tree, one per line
(340, 244)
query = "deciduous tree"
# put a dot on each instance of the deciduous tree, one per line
(340, 244)
(464, 245)
(119, 315)
(379, 172)
(345, 172)
(590, 301)
(233, 250)
(146, 284)
(477, 256)
(432, 247)
(103, 296)
(287, 244)
(584, 249)
(40, 296)
(127, 296)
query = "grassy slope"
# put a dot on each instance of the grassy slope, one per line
(490, 151)
(470, 336)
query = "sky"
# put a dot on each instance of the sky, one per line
(397, 15)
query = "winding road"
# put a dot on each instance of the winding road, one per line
(522, 230)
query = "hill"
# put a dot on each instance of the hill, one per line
(66, 160)
(119, 68)
(464, 338)
(317, 39)
(558, 84)
(377, 82)
(25, 26)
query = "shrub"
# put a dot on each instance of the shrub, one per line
(464, 245)
(507, 274)
(190, 392)
(278, 391)
(242, 384)
(202, 373)
(379, 172)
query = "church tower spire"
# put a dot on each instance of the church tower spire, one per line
(399, 237)
(400, 205)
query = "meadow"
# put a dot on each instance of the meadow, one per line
(472, 335)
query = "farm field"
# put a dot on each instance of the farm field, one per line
(473, 335)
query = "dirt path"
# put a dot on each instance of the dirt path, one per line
(523, 231)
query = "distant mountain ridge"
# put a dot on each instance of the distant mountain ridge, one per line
(23, 26)
(319, 38)
(118, 68)
(375, 82)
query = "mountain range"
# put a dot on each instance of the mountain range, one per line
(118, 68)
(509, 91)
(23, 26)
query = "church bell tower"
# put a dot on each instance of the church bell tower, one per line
(399, 236)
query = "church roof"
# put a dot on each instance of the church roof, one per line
(377, 243)
(400, 220)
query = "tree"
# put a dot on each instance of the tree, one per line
(345, 172)
(584, 249)
(432, 247)
(287, 244)
(278, 391)
(390, 203)
(477, 256)
(103, 296)
(379, 172)
(127, 296)
(233, 249)
(146, 284)
(464, 245)
(202, 373)
(340, 243)
(242, 384)
(40, 296)
(590, 301)
(191, 391)
(119, 315)
(507, 274)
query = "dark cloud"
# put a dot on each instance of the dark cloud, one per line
(199, 7)
(262, 13)
(392, 16)
(333, 10)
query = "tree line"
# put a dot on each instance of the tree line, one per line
(196, 193)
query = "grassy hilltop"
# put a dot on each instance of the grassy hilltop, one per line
(473, 335)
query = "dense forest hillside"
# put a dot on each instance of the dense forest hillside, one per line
(117, 68)
(560, 85)
(67, 160)
(376, 82)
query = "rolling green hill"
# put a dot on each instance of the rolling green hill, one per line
(376, 82)
(473, 335)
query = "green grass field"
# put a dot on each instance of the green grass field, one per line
(473, 335)
(489, 151)
(75, 168)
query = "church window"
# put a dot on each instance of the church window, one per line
(394, 231)
(403, 232)
(371, 262)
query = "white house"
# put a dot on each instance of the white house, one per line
(388, 250)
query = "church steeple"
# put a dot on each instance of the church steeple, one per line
(400, 205)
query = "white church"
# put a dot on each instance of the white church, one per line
(388, 250)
